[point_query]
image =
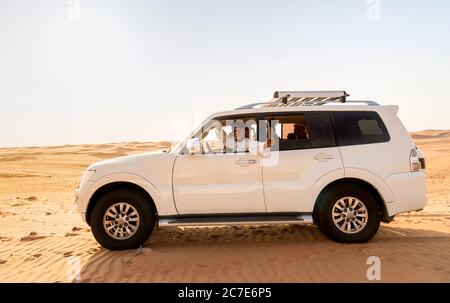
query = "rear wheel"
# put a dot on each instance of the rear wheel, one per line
(348, 213)
(122, 219)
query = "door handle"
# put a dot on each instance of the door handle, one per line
(323, 157)
(245, 161)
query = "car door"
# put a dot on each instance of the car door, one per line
(226, 176)
(303, 150)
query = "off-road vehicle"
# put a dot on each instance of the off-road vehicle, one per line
(303, 157)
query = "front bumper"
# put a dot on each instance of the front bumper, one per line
(82, 199)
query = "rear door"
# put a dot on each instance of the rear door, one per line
(303, 149)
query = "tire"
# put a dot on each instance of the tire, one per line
(129, 231)
(331, 220)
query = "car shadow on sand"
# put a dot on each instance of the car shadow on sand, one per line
(272, 253)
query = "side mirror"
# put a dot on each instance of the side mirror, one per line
(194, 146)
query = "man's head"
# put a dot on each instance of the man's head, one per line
(241, 133)
(300, 131)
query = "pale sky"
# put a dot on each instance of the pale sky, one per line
(138, 70)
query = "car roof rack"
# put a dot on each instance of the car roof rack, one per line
(305, 98)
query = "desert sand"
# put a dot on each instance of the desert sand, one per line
(42, 237)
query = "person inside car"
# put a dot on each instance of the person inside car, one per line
(299, 132)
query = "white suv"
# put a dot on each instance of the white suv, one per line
(303, 157)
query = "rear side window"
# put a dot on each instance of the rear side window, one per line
(354, 128)
(320, 129)
(301, 131)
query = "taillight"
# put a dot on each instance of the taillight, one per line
(416, 160)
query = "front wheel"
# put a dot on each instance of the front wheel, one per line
(348, 213)
(122, 219)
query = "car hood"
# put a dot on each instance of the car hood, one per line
(138, 164)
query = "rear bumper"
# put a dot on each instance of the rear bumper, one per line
(409, 192)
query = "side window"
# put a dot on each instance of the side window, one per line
(301, 131)
(212, 138)
(354, 128)
(289, 132)
(320, 129)
(229, 135)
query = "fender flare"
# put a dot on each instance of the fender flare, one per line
(377, 182)
(356, 174)
(136, 180)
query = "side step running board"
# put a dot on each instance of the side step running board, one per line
(235, 219)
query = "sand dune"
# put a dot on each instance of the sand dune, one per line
(42, 237)
(430, 134)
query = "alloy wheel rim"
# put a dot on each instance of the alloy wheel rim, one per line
(350, 215)
(121, 221)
